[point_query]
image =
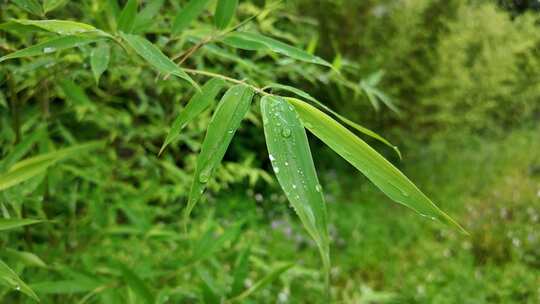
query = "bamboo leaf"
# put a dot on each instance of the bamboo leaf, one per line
(62, 27)
(225, 121)
(99, 60)
(64, 286)
(155, 57)
(50, 5)
(188, 14)
(145, 18)
(31, 6)
(224, 12)
(21, 149)
(240, 273)
(126, 19)
(30, 167)
(198, 103)
(364, 158)
(137, 284)
(50, 46)
(255, 41)
(272, 276)
(27, 258)
(10, 278)
(343, 119)
(7, 224)
(292, 162)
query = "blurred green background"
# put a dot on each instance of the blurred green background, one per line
(455, 84)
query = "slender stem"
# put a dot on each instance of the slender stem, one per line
(229, 79)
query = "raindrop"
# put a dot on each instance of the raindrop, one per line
(17, 287)
(204, 176)
(294, 186)
(271, 157)
(48, 50)
(286, 164)
(276, 169)
(318, 188)
(286, 132)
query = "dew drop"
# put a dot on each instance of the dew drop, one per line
(204, 177)
(48, 50)
(17, 287)
(271, 157)
(276, 169)
(318, 188)
(286, 132)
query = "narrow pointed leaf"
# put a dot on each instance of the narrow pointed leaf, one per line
(7, 224)
(62, 27)
(232, 108)
(30, 167)
(21, 149)
(99, 60)
(224, 12)
(364, 158)
(26, 258)
(50, 46)
(31, 6)
(10, 278)
(50, 5)
(240, 273)
(198, 103)
(137, 285)
(188, 14)
(254, 41)
(272, 276)
(292, 162)
(155, 57)
(343, 119)
(145, 18)
(126, 19)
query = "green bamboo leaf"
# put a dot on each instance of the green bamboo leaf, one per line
(155, 57)
(9, 278)
(198, 103)
(224, 12)
(208, 245)
(188, 14)
(21, 149)
(146, 16)
(62, 27)
(240, 273)
(14, 177)
(364, 158)
(28, 168)
(136, 284)
(255, 41)
(7, 224)
(126, 19)
(50, 46)
(50, 5)
(99, 60)
(64, 286)
(292, 162)
(31, 6)
(26, 258)
(272, 276)
(232, 108)
(343, 119)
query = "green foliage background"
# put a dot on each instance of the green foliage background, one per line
(463, 76)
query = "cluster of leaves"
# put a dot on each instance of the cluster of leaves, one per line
(446, 77)
(284, 118)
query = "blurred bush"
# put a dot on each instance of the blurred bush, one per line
(451, 66)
